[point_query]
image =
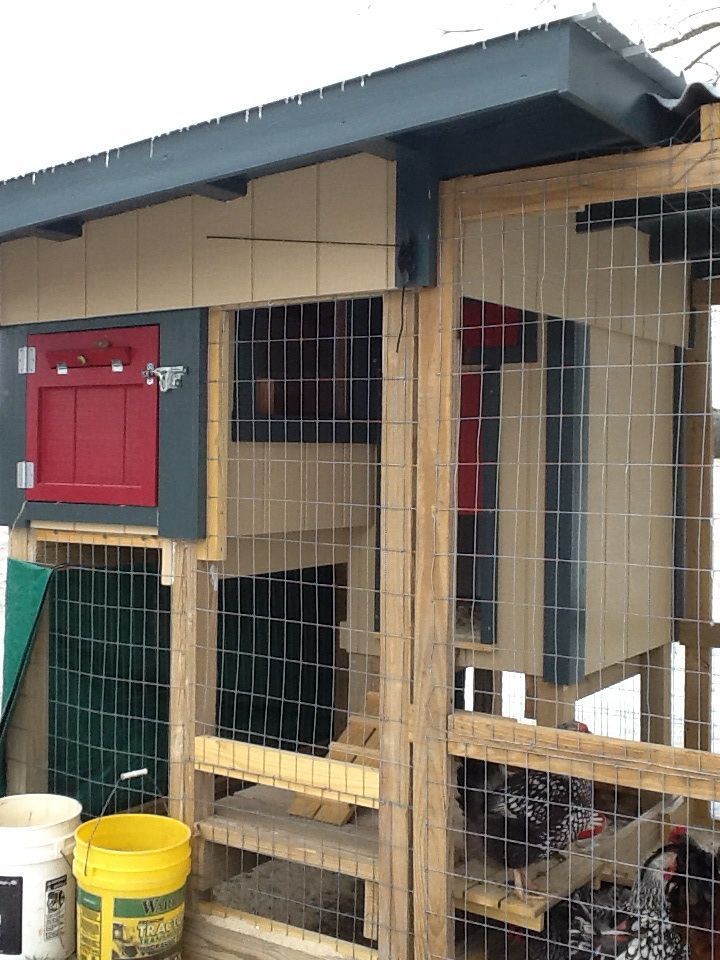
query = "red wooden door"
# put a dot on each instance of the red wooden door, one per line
(92, 420)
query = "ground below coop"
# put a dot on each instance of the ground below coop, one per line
(315, 900)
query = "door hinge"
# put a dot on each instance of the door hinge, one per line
(25, 475)
(26, 359)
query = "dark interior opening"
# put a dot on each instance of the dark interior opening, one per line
(276, 657)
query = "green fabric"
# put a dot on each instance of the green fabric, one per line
(276, 652)
(109, 684)
(27, 585)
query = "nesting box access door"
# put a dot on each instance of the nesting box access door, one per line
(92, 417)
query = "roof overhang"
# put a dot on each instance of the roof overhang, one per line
(569, 89)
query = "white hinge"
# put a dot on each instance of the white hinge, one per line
(26, 359)
(25, 475)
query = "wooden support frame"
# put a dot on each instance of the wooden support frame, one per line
(433, 666)
(647, 766)
(352, 783)
(397, 499)
(183, 620)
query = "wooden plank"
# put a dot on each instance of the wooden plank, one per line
(257, 819)
(655, 695)
(219, 399)
(371, 911)
(698, 633)
(710, 121)
(433, 666)
(647, 766)
(283, 935)
(698, 681)
(572, 185)
(183, 625)
(318, 776)
(397, 499)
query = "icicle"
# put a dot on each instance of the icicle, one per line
(259, 113)
(33, 179)
(342, 87)
(362, 81)
(299, 99)
(320, 93)
(152, 146)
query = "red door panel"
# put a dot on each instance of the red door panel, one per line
(92, 432)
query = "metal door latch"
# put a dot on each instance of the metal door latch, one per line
(169, 378)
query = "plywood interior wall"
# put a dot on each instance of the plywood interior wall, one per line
(637, 313)
(160, 257)
(539, 262)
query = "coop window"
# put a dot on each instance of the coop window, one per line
(309, 372)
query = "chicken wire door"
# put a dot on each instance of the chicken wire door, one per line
(92, 417)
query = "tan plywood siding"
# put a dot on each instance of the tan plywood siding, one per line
(161, 258)
(630, 498)
(278, 487)
(521, 519)
(539, 262)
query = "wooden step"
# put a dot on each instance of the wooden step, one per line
(353, 783)
(258, 820)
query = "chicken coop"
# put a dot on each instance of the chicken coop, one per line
(368, 439)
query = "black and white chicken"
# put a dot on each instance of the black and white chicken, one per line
(643, 929)
(694, 895)
(527, 817)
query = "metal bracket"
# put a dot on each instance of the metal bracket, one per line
(25, 475)
(26, 360)
(169, 378)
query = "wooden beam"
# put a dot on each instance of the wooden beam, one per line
(397, 499)
(433, 666)
(572, 185)
(183, 624)
(710, 121)
(318, 776)
(221, 336)
(646, 766)
(655, 695)
(698, 633)
(698, 680)
(283, 936)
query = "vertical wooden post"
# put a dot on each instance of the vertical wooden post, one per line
(183, 622)
(433, 673)
(697, 459)
(397, 499)
(655, 695)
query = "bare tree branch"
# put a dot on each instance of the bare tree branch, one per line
(702, 55)
(689, 35)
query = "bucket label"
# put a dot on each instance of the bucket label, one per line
(11, 915)
(149, 927)
(89, 926)
(55, 906)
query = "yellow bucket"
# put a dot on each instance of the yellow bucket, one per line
(131, 870)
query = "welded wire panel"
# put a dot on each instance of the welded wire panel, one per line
(582, 555)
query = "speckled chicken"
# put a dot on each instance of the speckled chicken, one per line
(643, 929)
(531, 816)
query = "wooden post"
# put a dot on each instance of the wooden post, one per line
(397, 499)
(183, 623)
(655, 691)
(433, 667)
(697, 457)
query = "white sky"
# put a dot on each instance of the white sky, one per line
(80, 76)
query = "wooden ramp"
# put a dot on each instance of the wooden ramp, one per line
(358, 743)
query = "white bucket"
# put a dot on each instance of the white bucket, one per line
(37, 888)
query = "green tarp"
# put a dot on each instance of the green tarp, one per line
(27, 585)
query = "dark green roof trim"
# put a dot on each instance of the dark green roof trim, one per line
(544, 94)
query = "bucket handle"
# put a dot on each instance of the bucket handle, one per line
(123, 778)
